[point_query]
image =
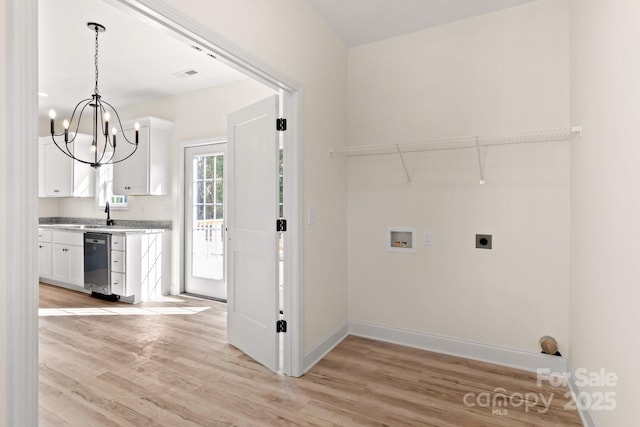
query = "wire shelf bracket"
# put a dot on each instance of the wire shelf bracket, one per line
(460, 143)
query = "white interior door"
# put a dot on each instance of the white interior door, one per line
(252, 246)
(204, 220)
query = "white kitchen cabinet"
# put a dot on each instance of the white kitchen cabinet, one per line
(44, 260)
(67, 265)
(140, 266)
(61, 176)
(119, 283)
(146, 172)
(44, 254)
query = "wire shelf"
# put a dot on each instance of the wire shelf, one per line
(460, 143)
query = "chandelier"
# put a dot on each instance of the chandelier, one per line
(103, 144)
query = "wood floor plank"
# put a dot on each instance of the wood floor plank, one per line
(155, 369)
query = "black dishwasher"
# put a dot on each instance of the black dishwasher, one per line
(97, 263)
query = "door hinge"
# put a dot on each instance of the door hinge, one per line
(281, 224)
(281, 124)
(281, 326)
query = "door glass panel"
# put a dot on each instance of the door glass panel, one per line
(207, 259)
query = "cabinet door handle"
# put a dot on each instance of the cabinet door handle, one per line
(56, 191)
(115, 261)
(40, 246)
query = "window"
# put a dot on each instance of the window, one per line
(208, 187)
(105, 190)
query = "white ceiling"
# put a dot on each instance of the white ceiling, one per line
(359, 22)
(136, 61)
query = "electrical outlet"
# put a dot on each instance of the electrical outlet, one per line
(428, 238)
(311, 216)
(483, 241)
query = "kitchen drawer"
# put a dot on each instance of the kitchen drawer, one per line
(117, 242)
(117, 283)
(44, 235)
(117, 261)
(68, 238)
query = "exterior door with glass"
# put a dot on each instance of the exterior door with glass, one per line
(205, 273)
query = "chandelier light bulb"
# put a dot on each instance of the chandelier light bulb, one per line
(52, 114)
(114, 131)
(137, 127)
(65, 124)
(107, 116)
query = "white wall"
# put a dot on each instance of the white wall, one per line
(291, 37)
(195, 116)
(605, 208)
(498, 73)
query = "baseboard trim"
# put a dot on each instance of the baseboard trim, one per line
(471, 350)
(588, 418)
(319, 350)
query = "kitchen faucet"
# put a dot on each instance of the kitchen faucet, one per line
(108, 211)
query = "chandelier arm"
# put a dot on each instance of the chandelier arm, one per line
(124, 158)
(71, 122)
(64, 150)
(124, 135)
(75, 109)
(109, 161)
(75, 132)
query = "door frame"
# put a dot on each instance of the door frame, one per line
(19, 338)
(180, 287)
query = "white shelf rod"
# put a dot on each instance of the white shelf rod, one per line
(480, 163)
(551, 135)
(404, 166)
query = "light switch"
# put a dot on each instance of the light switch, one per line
(311, 216)
(428, 238)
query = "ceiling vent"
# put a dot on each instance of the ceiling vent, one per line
(185, 73)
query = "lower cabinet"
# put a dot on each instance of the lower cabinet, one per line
(139, 265)
(44, 260)
(68, 264)
(119, 283)
(61, 258)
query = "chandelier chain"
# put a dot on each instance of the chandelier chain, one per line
(95, 90)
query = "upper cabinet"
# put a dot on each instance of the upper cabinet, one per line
(146, 172)
(61, 176)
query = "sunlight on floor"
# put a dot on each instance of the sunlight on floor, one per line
(119, 311)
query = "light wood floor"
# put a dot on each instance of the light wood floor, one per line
(178, 370)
